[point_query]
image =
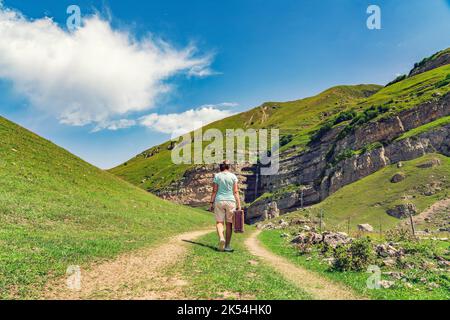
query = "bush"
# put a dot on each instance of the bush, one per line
(355, 256)
(398, 79)
(285, 140)
(399, 235)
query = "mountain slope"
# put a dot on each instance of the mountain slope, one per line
(57, 210)
(328, 141)
(153, 169)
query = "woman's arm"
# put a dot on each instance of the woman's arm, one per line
(236, 196)
(213, 196)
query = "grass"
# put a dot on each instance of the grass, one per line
(366, 200)
(358, 280)
(57, 210)
(238, 275)
(425, 128)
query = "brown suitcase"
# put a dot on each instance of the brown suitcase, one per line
(239, 221)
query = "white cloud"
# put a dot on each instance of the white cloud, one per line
(93, 75)
(115, 125)
(177, 124)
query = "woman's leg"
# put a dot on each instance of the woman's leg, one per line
(229, 234)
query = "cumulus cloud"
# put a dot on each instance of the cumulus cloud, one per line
(178, 124)
(93, 75)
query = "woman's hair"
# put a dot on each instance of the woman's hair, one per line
(224, 166)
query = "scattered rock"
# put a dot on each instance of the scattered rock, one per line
(389, 262)
(400, 164)
(394, 274)
(334, 239)
(307, 238)
(402, 211)
(398, 177)
(430, 164)
(306, 228)
(284, 235)
(387, 250)
(433, 285)
(385, 284)
(365, 227)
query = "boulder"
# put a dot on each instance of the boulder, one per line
(307, 238)
(402, 211)
(398, 177)
(365, 227)
(430, 164)
(333, 239)
(387, 250)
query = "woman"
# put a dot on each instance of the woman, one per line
(224, 201)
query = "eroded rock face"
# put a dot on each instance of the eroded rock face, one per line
(432, 64)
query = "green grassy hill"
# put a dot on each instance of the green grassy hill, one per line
(367, 200)
(57, 210)
(297, 120)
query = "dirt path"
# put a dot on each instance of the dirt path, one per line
(135, 275)
(429, 213)
(319, 287)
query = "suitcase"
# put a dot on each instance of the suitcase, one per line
(239, 218)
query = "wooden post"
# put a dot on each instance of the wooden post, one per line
(321, 217)
(348, 226)
(412, 225)
(301, 199)
(381, 230)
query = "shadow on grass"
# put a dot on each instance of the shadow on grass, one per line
(202, 244)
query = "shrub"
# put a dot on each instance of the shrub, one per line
(285, 140)
(398, 79)
(355, 256)
(399, 235)
(344, 116)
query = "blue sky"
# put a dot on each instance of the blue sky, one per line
(252, 50)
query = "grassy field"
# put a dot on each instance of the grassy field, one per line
(57, 210)
(366, 200)
(418, 290)
(239, 275)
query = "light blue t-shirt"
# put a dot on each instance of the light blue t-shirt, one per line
(225, 182)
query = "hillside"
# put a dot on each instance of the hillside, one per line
(367, 200)
(57, 210)
(328, 141)
(153, 169)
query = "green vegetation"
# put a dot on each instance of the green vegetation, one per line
(417, 281)
(367, 200)
(57, 210)
(239, 275)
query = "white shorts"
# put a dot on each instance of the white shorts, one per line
(224, 211)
